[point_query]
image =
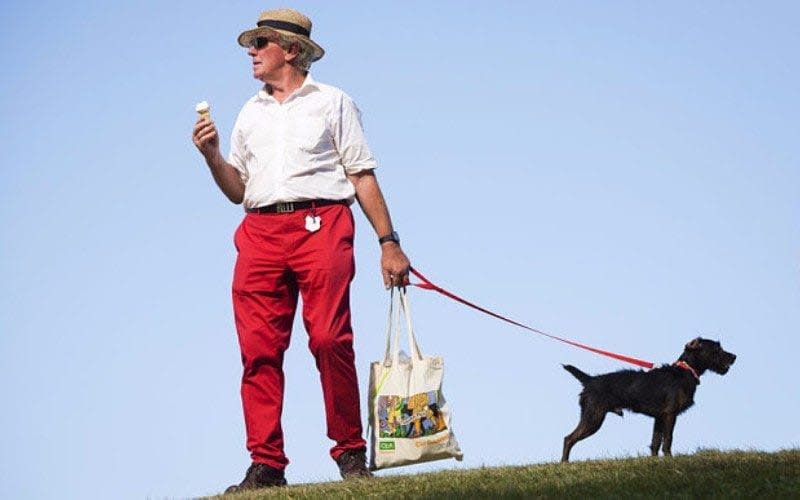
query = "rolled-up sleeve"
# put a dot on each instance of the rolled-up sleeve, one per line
(237, 155)
(350, 140)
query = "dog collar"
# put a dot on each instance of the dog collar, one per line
(685, 366)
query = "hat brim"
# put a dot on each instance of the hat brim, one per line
(246, 36)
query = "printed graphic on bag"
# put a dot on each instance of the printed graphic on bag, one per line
(410, 417)
(386, 446)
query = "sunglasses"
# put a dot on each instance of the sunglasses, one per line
(259, 42)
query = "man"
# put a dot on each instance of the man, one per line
(298, 159)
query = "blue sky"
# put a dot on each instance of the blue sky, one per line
(625, 174)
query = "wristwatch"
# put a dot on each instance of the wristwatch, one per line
(393, 236)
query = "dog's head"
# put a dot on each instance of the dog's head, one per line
(704, 354)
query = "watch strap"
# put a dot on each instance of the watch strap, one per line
(393, 236)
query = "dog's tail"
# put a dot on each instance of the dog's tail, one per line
(583, 377)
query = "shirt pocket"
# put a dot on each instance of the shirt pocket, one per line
(311, 134)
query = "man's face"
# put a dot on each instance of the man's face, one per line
(268, 57)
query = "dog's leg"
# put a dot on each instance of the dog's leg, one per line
(658, 436)
(669, 426)
(589, 424)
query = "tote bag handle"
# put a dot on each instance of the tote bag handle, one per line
(392, 352)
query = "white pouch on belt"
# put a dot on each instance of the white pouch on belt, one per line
(409, 419)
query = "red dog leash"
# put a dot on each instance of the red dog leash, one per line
(428, 285)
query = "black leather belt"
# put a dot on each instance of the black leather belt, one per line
(292, 206)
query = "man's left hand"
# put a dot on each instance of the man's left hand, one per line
(394, 265)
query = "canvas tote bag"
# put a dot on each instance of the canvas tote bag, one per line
(410, 421)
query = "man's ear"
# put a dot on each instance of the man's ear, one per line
(293, 52)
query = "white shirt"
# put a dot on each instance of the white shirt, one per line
(301, 149)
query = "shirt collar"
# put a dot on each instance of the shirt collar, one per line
(309, 85)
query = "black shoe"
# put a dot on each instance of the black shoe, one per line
(259, 476)
(353, 465)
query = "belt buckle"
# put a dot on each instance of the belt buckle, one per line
(284, 208)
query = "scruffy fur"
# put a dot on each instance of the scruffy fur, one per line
(662, 393)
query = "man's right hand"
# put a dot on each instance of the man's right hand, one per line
(205, 137)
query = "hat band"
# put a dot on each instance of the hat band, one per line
(283, 25)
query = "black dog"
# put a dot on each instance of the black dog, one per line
(663, 393)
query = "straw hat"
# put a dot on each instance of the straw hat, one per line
(287, 22)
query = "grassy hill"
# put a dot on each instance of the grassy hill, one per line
(708, 473)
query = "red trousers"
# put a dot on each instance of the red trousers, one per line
(277, 259)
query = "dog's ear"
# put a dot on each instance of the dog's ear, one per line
(693, 344)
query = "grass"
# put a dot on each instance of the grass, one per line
(707, 473)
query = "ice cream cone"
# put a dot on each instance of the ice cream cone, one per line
(203, 109)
